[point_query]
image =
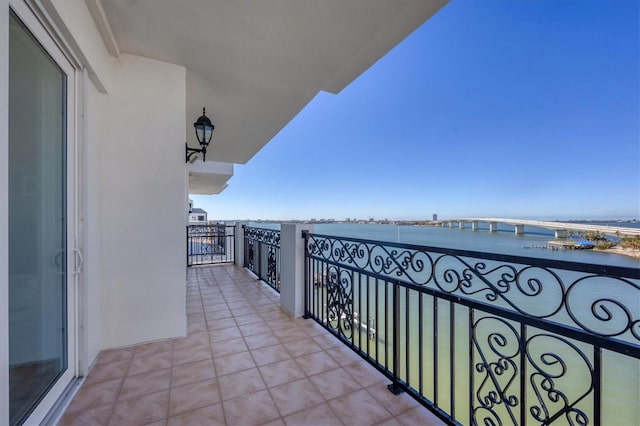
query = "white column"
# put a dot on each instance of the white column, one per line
(461, 225)
(493, 226)
(474, 225)
(519, 229)
(561, 233)
(239, 237)
(292, 267)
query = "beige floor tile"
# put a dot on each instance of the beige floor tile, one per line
(224, 334)
(233, 363)
(327, 341)
(195, 339)
(141, 384)
(193, 354)
(217, 324)
(196, 328)
(193, 318)
(276, 422)
(290, 334)
(295, 396)
(144, 364)
(419, 416)
(302, 346)
(212, 415)
(365, 374)
(249, 319)
(113, 355)
(95, 416)
(253, 329)
(108, 371)
(142, 410)
(241, 308)
(316, 362)
(192, 372)
(335, 383)
(281, 372)
(193, 396)
(359, 408)
(264, 365)
(153, 348)
(270, 354)
(92, 396)
(241, 383)
(279, 324)
(319, 415)
(228, 347)
(261, 340)
(395, 404)
(262, 409)
(344, 355)
(218, 314)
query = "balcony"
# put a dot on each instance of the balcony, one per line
(245, 361)
(470, 336)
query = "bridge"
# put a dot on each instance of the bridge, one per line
(560, 228)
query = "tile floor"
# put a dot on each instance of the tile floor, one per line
(245, 361)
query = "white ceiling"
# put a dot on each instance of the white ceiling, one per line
(208, 177)
(254, 64)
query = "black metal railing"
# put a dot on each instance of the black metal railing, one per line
(483, 338)
(262, 254)
(209, 244)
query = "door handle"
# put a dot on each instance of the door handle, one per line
(79, 261)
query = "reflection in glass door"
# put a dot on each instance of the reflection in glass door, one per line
(37, 222)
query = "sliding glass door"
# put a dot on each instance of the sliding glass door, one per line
(40, 336)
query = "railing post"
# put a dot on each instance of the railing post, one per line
(258, 259)
(394, 387)
(239, 243)
(292, 263)
(307, 295)
(187, 240)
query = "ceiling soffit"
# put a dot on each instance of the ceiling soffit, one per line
(255, 64)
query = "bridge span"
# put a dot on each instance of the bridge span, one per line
(560, 228)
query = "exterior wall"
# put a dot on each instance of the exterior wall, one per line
(95, 116)
(74, 21)
(142, 193)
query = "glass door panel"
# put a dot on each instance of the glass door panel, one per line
(37, 222)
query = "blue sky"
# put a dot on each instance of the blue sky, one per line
(510, 108)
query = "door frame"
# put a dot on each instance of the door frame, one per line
(35, 20)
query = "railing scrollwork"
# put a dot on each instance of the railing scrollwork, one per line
(539, 331)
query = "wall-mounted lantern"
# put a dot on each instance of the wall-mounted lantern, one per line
(204, 131)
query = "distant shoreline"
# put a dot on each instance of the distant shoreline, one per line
(635, 253)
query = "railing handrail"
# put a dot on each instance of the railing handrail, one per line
(608, 270)
(609, 343)
(534, 325)
(273, 233)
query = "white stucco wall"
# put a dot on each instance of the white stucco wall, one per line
(96, 116)
(142, 194)
(74, 21)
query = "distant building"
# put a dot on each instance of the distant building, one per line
(197, 216)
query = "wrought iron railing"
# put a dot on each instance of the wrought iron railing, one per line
(262, 254)
(209, 244)
(484, 338)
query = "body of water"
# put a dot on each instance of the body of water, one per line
(502, 242)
